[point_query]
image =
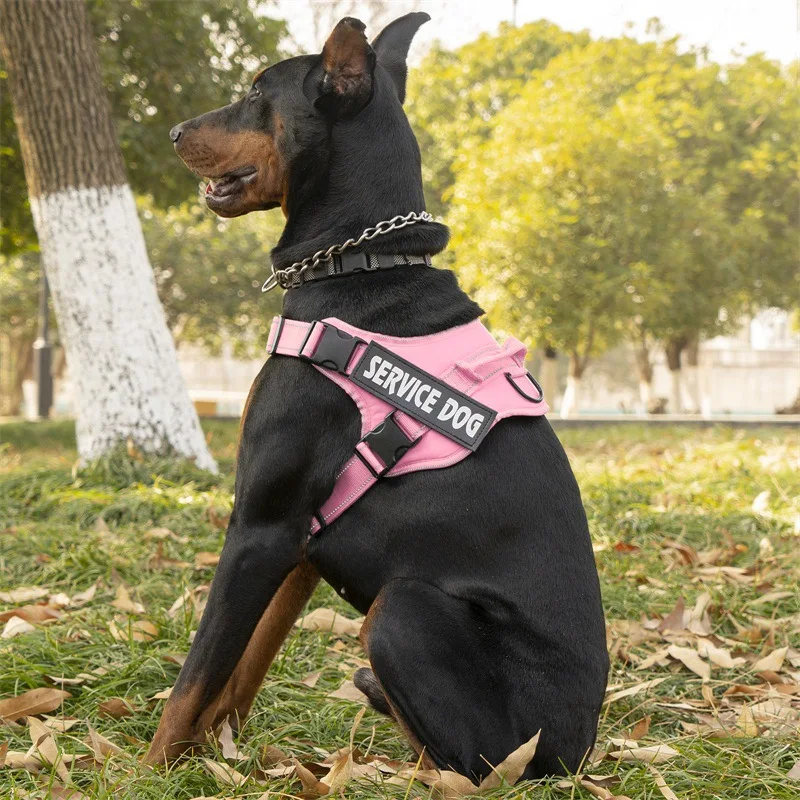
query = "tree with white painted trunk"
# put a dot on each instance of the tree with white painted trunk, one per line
(120, 353)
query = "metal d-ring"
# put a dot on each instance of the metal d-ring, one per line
(527, 396)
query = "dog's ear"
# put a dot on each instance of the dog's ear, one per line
(392, 47)
(348, 63)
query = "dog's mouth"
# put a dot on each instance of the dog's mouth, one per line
(221, 191)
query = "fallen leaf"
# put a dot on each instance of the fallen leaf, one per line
(59, 792)
(662, 784)
(31, 703)
(163, 694)
(116, 708)
(16, 626)
(271, 755)
(32, 614)
(311, 784)
(794, 772)
(511, 768)
(718, 655)
(44, 745)
(227, 745)
(653, 754)
(326, 619)
(641, 728)
(632, 690)
(342, 769)
(674, 620)
(772, 662)
(124, 602)
(204, 559)
(60, 724)
(139, 631)
(348, 691)
(101, 746)
(311, 679)
(22, 594)
(626, 547)
(686, 553)
(691, 659)
(3, 751)
(746, 723)
(82, 598)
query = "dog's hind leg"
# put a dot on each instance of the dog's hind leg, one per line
(450, 677)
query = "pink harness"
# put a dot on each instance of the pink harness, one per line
(426, 402)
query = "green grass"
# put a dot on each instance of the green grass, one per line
(63, 529)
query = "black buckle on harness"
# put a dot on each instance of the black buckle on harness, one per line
(389, 442)
(334, 349)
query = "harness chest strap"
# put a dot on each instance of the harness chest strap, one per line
(437, 382)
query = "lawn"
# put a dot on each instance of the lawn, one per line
(697, 538)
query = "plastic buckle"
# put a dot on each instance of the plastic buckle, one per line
(389, 442)
(334, 349)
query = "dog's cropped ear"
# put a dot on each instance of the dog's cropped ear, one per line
(392, 47)
(348, 63)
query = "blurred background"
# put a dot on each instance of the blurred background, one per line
(620, 178)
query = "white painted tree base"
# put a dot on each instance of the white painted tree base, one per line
(121, 355)
(570, 405)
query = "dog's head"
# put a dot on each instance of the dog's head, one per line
(251, 150)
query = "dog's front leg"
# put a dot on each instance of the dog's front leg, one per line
(255, 561)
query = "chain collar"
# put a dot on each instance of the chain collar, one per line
(286, 277)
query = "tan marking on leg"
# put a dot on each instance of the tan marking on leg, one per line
(187, 718)
(274, 626)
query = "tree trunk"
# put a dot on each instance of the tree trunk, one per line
(122, 357)
(16, 356)
(645, 369)
(549, 379)
(693, 374)
(673, 350)
(571, 404)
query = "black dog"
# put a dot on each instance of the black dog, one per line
(484, 621)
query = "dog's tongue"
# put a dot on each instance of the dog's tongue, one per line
(209, 187)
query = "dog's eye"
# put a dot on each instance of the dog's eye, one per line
(254, 93)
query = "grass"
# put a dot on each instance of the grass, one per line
(65, 529)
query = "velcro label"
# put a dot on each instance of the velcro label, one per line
(429, 400)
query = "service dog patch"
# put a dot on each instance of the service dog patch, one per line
(420, 395)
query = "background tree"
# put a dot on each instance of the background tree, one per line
(622, 185)
(121, 354)
(209, 274)
(575, 201)
(454, 95)
(160, 62)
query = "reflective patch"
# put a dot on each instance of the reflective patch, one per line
(430, 401)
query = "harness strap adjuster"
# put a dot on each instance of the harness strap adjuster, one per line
(388, 442)
(334, 349)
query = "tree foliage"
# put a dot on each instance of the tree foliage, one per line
(209, 274)
(623, 194)
(454, 95)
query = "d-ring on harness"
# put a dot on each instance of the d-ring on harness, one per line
(426, 402)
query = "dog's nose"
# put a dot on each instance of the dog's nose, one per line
(175, 133)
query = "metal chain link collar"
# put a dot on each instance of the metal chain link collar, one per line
(284, 277)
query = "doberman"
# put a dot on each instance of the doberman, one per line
(484, 621)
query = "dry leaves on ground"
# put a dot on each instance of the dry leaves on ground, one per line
(326, 619)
